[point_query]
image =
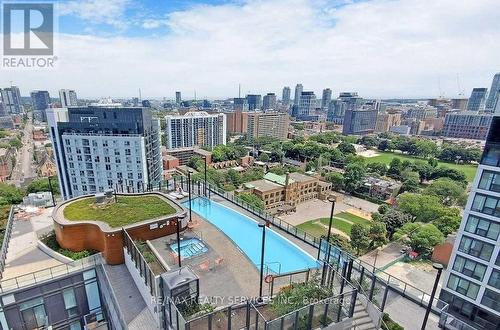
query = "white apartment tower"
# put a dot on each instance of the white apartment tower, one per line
(196, 128)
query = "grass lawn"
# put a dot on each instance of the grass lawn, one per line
(342, 221)
(127, 210)
(386, 157)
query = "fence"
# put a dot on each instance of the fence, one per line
(448, 321)
(140, 264)
(6, 239)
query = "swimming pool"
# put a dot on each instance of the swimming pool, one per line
(281, 255)
(190, 247)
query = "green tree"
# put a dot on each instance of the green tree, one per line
(394, 219)
(353, 176)
(10, 194)
(42, 184)
(359, 237)
(449, 222)
(395, 168)
(378, 234)
(411, 181)
(346, 148)
(383, 208)
(425, 238)
(252, 200)
(377, 167)
(369, 141)
(423, 208)
(448, 191)
(234, 177)
(264, 157)
(336, 179)
(15, 143)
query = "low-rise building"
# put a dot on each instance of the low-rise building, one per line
(6, 163)
(467, 125)
(381, 189)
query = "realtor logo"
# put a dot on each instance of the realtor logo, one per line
(28, 29)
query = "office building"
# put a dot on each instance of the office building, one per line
(240, 104)
(178, 98)
(471, 285)
(477, 99)
(68, 98)
(307, 104)
(298, 92)
(274, 124)
(11, 99)
(254, 102)
(269, 101)
(466, 125)
(285, 97)
(494, 92)
(237, 122)
(326, 98)
(195, 129)
(99, 147)
(40, 101)
(459, 104)
(336, 112)
(387, 120)
(359, 121)
(421, 112)
(3, 111)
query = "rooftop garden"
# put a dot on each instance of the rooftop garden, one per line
(127, 210)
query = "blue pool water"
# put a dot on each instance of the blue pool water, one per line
(281, 255)
(190, 247)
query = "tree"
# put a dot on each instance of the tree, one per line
(411, 181)
(395, 168)
(386, 145)
(383, 208)
(336, 179)
(369, 141)
(377, 234)
(252, 200)
(451, 173)
(10, 194)
(353, 177)
(449, 222)
(234, 177)
(423, 208)
(377, 167)
(448, 191)
(42, 184)
(15, 143)
(359, 237)
(346, 148)
(425, 238)
(394, 219)
(264, 157)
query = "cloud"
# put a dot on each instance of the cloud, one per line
(380, 48)
(110, 12)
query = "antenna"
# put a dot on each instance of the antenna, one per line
(239, 91)
(439, 87)
(460, 91)
(195, 94)
(140, 95)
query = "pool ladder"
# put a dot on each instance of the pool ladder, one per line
(195, 248)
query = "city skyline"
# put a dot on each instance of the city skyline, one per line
(243, 48)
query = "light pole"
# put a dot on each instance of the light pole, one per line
(262, 224)
(205, 185)
(439, 269)
(332, 199)
(51, 192)
(178, 229)
(189, 190)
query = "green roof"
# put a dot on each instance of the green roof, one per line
(279, 179)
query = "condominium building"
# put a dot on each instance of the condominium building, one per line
(477, 99)
(240, 103)
(494, 92)
(298, 92)
(254, 101)
(336, 112)
(68, 98)
(326, 98)
(471, 285)
(459, 104)
(307, 104)
(237, 121)
(466, 125)
(11, 99)
(387, 120)
(269, 101)
(195, 128)
(178, 98)
(99, 147)
(359, 121)
(40, 101)
(421, 112)
(274, 124)
(285, 97)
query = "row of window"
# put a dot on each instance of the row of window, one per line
(104, 143)
(463, 286)
(482, 227)
(476, 248)
(486, 204)
(490, 181)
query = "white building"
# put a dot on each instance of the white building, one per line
(68, 98)
(195, 129)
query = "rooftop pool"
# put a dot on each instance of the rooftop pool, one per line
(281, 255)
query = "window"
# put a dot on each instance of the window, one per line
(33, 313)
(494, 280)
(75, 325)
(490, 299)
(486, 204)
(475, 248)
(70, 302)
(469, 268)
(463, 286)
(490, 181)
(482, 227)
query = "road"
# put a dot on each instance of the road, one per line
(24, 167)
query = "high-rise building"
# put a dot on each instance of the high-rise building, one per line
(307, 104)
(68, 98)
(40, 100)
(240, 104)
(195, 129)
(471, 285)
(3, 111)
(494, 92)
(11, 99)
(100, 147)
(269, 101)
(359, 121)
(459, 104)
(178, 98)
(285, 97)
(477, 99)
(336, 112)
(274, 124)
(467, 125)
(237, 122)
(387, 120)
(254, 102)
(298, 92)
(326, 98)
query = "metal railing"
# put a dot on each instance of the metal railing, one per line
(6, 239)
(448, 321)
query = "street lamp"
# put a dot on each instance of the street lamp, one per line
(205, 185)
(51, 192)
(439, 269)
(332, 199)
(189, 190)
(178, 229)
(262, 224)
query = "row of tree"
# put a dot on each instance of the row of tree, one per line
(10, 194)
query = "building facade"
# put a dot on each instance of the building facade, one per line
(307, 104)
(254, 102)
(40, 101)
(326, 98)
(237, 122)
(97, 148)
(195, 129)
(274, 124)
(298, 92)
(285, 96)
(477, 99)
(178, 98)
(466, 125)
(471, 285)
(68, 98)
(240, 103)
(494, 91)
(387, 120)
(11, 99)
(359, 121)
(269, 101)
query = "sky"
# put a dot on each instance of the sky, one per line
(379, 48)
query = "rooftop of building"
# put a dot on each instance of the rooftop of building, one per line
(279, 179)
(299, 177)
(263, 185)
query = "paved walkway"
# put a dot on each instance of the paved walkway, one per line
(23, 254)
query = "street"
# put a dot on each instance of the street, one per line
(24, 167)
